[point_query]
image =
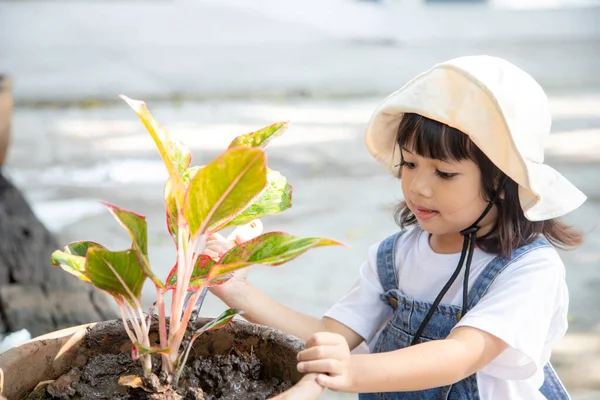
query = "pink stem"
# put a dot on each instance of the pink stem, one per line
(178, 294)
(178, 337)
(127, 328)
(162, 330)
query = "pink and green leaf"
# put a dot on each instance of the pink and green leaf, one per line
(273, 248)
(274, 199)
(201, 269)
(222, 320)
(125, 263)
(72, 259)
(261, 137)
(176, 155)
(136, 227)
(223, 188)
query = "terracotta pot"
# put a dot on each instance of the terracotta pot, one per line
(6, 108)
(38, 360)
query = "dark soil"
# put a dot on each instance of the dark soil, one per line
(232, 376)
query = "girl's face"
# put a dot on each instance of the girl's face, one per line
(445, 197)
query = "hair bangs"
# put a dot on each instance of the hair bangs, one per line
(433, 139)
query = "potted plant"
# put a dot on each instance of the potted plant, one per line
(178, 354)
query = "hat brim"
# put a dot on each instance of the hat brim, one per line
(551, 195)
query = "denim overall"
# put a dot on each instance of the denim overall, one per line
(409, 313)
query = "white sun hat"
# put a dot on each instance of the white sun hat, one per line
(501, 108)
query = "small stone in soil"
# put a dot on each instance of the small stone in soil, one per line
(152, 382)
(62, 387)
(194, 393)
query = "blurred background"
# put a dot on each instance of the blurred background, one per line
(214, 69)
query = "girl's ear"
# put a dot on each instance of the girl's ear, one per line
(501, 184)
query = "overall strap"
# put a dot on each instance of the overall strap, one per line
(497, 265)
(386, 264)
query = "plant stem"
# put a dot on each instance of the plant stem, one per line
(127, 313)
(162, 330)
(183, 360)
(126, 325)
(181, 267)
(176, 340)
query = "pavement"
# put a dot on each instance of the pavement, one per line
(89, 51)
(211, 71)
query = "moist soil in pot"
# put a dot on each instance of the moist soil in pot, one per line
(232, 376)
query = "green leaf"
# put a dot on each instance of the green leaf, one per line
(171, 204)
(276, 198)
(143, 350)
(223, 188)
(175, 155)
(137, 228)
(72, 259)
(273, 248)
(126, 266)
(218, 322)
(261, 137)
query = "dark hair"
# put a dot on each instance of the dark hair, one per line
(432, 139)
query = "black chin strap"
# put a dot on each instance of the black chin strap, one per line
(470, 236)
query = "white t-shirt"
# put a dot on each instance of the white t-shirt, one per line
(526, 307)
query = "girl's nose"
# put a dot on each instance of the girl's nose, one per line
(420, 185)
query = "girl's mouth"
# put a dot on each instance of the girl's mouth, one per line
(424, 213)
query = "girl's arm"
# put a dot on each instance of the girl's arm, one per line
(423, 366)
(261, 309)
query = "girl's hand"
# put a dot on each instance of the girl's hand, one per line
(306, 389)
(328, 355)
(217, 246)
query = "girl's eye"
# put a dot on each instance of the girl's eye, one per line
(445, 175)
(407, 164)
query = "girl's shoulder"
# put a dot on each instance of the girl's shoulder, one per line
(544, 258)
(540, 264)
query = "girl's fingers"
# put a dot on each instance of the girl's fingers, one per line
(318, 353)
(325, 339)
(215, 236)
(327, 366)
(246, 232)
(306, 389)
(335, 383)
(218, 247)
(212, 254)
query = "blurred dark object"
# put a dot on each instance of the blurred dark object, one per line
(33, 294)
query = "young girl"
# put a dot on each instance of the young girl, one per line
(467, 300)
